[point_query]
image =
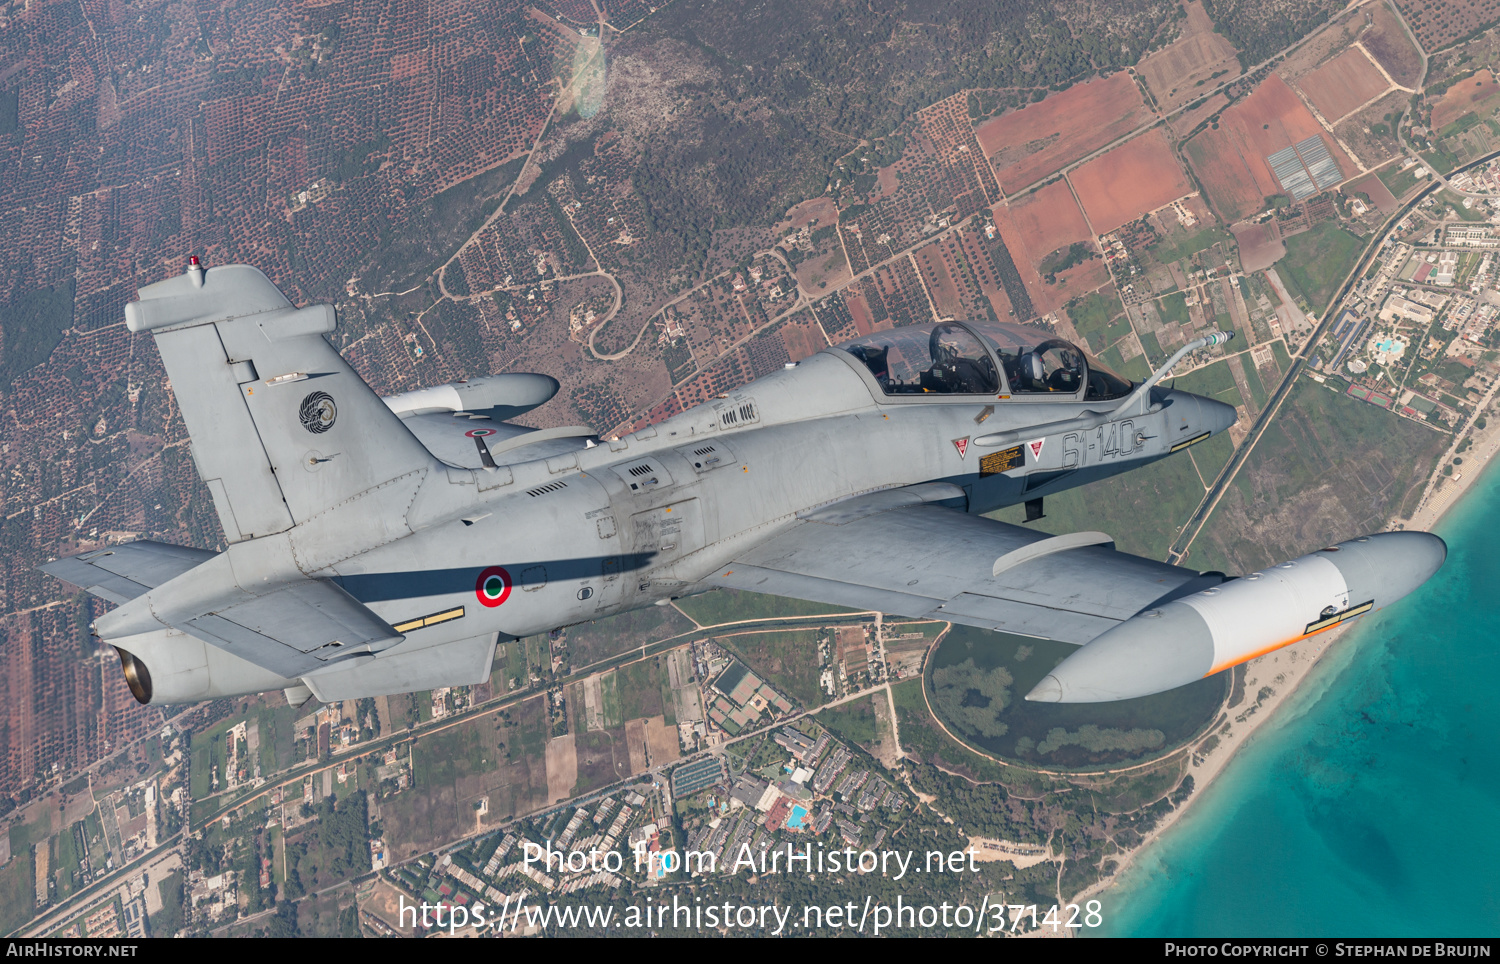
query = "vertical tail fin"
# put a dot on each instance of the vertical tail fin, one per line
(282, 427)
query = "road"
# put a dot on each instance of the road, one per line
(1205, 508)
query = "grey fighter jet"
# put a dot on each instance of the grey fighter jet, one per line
(380, 546)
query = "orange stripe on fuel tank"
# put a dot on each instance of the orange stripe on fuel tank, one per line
(1270, 649)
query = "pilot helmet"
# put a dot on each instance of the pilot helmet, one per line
(1032, 368)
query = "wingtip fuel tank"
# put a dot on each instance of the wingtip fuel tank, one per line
(1201, 634)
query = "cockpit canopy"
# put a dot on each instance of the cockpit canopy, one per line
(961, 358)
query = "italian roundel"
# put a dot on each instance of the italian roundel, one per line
(493, 586)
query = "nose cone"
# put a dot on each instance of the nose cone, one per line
(1152, 652)
(1202, 413)
(1049, 690)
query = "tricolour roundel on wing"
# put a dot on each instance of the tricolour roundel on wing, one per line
(480, 433)
(493, 586)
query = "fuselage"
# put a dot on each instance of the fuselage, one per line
(652, 516)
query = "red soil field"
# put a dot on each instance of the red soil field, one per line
(1040, 223)
(1462, 96)
(1231, 162)
(1037, 225)
(1040, 139)
(1342, 84)
(1134, 179)
(859, 310)
(1260, 246)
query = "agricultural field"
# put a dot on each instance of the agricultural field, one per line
(1200, 55)
(725, 606)
(1343, 84)
(1317, 262)
(599, 639)
(1462, 97)
(1399, 182)
(499, 756)
(1040, 139)
(1135, 178)
(1230, 161)
(1036, 226)
(1389, 44)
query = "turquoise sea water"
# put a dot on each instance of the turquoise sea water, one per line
(1370, 804)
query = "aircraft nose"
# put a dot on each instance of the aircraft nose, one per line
(1206, 413)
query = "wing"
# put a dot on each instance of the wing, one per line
(939, 563)
(121, 573)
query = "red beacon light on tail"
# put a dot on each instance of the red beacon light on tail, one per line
(195, 271)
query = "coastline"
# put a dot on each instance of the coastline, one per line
(1284, 670)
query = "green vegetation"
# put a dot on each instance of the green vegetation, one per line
(335, 847)
(1091, 315)
(1456, 204)
(1136, 369)
(1215, 381)
(973, 674)
(1185, 244)
(591, 642)
(17, 888)
(1259, 31)
(609, 699)
(723, 606)
(1063, 259)
(1328, 466)
(1258, 395)
(1399, 181)
(1441, 161)
(168, 920)
(924, 740)
(972, 699)
(1173, 308)
(10, 110)
(855, 721)
(788, 660)
(1211, 455)
(639, 688)
(1283, 359)
(31, 326)
(1154, 355)
(431, 234)
(1465, 122)
(1318, 261)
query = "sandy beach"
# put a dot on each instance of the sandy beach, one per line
(1284, 670)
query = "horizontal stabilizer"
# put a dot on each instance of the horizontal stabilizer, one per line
(294, 630)
(121, 573)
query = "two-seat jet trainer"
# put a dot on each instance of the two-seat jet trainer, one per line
(384, 545)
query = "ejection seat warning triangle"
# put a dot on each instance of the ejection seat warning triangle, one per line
(962, 444)
(1036, 447)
